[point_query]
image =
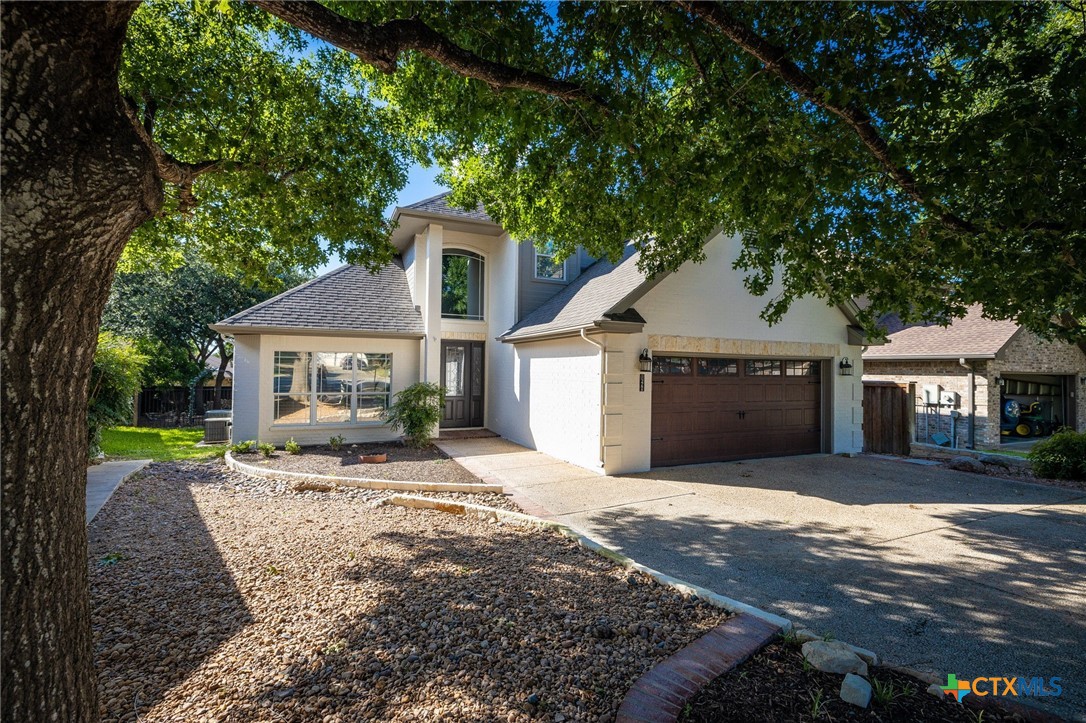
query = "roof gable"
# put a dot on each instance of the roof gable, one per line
(439, 206)
(348, 298)
(599, 291)
(971, 336)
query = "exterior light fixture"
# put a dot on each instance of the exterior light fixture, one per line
(645, 361)
(845, 367)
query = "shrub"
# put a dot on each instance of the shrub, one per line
(115, 382)
(243, 447)
(266, 449)
(292, 447)
(417, 410)
(1061, 456)
(336, 442)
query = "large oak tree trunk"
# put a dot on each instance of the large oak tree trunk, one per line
(77, 181)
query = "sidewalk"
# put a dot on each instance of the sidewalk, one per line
(103, 478)
(547, 487)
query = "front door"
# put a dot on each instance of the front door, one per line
(462, 377)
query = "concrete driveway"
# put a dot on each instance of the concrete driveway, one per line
(935, 569)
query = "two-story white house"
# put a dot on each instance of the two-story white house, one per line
(585, 359)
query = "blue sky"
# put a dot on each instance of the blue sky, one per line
(421, 183)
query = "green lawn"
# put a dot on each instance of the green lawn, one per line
(1012, 453)
(161, 445)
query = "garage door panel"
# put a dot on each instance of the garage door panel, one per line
(796, 393)
(718, 393)
(753, 392)
(725, 417)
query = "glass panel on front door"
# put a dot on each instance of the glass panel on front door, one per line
(454, 371)
(463, 377)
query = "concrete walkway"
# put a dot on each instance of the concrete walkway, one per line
(935, 569)
(103, 478)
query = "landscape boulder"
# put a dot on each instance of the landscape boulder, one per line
(831, 656)
(994, 460)
(966, 464)
(856, 690)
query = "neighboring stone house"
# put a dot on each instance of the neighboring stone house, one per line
(974, 368)
(585, 359)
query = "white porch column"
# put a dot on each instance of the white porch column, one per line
(431, 302)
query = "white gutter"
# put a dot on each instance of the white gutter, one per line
(603, 361)
(925, 357)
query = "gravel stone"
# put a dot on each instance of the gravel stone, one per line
(216, 597)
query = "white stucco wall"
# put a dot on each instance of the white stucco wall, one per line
(253, 407)
(551, 402)
(246, 400)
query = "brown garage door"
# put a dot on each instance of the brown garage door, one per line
(708, 409)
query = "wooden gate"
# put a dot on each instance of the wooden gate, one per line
(886, 418)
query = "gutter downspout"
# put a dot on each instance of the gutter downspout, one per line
(972, 406)
(603, 361)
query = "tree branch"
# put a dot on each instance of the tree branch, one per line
(381, 46)
(777, 62)
(170, 169)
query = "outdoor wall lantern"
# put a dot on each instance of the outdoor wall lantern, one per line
(846, 367)
(645, 361)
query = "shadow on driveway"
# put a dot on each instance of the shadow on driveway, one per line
(941, 570)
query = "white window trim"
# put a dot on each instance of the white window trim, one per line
(535, 266)
(469, 253)
(313, 393)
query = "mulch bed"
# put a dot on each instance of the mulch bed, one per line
(1020, 474)
(775, 686)
(428, 464)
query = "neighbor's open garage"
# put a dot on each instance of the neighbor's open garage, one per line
(1033, 405)
(709, 409)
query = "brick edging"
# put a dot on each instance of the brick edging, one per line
(361, 482)
(659, 695)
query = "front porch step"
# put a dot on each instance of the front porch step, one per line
(465, 433)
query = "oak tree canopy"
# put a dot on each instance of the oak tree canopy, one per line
(926, 155)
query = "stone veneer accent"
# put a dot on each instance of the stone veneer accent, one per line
(464, 335)
(741, 347)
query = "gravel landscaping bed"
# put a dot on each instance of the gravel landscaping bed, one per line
(217, 598)
(775, 686)
(404, 463)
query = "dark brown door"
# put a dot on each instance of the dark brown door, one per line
(462, 375)
(707, 409)
(886, 418)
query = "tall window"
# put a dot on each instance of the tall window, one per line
(546, 265)
(317, 387)
(461, 285)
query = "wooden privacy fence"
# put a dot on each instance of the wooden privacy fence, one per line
(886, 409)
(169, 406)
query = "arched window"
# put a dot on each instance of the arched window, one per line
(461, 285)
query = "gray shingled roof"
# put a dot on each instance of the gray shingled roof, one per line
(349, 298)
(585, 300)
(971, 336)
(439, 205)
